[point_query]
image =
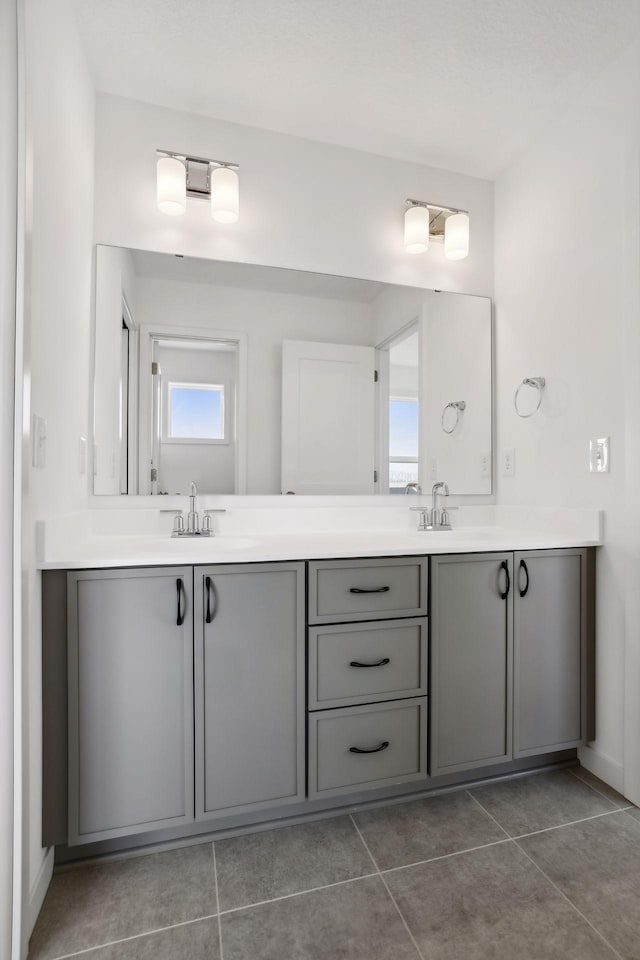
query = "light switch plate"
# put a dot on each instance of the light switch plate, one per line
(82, 456)
(509, 462)
(599, 455)
(485, 464)
(38, 441)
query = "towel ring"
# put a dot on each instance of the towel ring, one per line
(538, 383)
(458, 406)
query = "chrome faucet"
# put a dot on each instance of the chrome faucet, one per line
(439, 521)
(413, 488)
(193, 518)
(434, 520)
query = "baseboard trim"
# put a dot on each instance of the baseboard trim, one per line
(36, 896)
(602, 766)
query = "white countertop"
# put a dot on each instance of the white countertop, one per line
(140, 550)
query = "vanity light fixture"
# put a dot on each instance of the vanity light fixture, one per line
(424, 221)
(180, 176)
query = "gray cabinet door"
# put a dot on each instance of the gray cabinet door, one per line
(250, 719)
(471, 661)
(130, 673)
(549, 651)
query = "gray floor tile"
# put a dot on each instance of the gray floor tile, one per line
(635, 813)
(596, 784)
(409, 832)
(93, 905)
(353, 921)
(192, 941)
(494, 904)
(261, 866)
(597, 865)
(541, 801)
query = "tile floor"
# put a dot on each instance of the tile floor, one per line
(546, 866)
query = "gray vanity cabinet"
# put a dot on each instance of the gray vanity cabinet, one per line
(249, 687)
(549, 651)
(130, 701)
(471, 661)
(509, 674)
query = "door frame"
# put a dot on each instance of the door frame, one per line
(382, 401)
(174, 332)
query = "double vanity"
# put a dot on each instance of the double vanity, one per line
(207, 685)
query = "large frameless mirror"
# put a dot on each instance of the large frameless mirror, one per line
(261, 380)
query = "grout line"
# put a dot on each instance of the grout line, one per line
(570, 902)
(386, 886)
(490, 815)
(591, 787)
(570, 823)
(557, 826)
(298, 893)
(135, 936)
(445, 856)
(215, 874)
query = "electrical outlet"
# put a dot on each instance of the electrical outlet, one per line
(433, 468)
(38, 441)
(509, 462)
(485, 464)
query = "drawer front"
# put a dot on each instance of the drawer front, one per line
(392, 738)
(346, 590)
(367, 662)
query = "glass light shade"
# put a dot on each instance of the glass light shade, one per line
(172, 186)
(456, 236)
(416, 229)
(225, 194)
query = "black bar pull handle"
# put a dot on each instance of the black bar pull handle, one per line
(381, 746)
(181, 594)
(378, 663)
(211, 611)
(373, 590)
(524, 590)
(505, 566)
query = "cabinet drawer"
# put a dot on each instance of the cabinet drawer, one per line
(366, 662)
(345, 590)
(393, 739)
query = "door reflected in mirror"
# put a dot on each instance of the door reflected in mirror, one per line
(260, 380)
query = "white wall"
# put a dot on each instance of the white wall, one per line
(303, 204)
(267, 318)
(567, 257)
(60, 138)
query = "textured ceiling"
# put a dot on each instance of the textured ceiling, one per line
(462, 85)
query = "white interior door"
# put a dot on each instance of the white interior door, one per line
(328, 418)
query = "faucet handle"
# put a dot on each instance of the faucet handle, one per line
(425, 517)
(178, 520)
(206, 520)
